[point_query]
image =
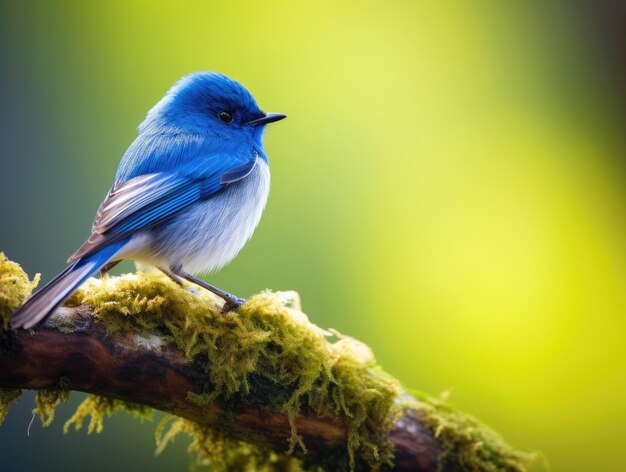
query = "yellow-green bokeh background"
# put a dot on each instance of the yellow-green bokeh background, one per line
(449, 188)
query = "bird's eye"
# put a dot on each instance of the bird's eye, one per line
(225, 116)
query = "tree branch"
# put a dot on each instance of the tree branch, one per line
(161, 377)
(264, 377)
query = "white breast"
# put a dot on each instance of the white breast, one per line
(210, 233)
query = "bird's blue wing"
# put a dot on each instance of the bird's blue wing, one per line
(237, 173)
(146, 200)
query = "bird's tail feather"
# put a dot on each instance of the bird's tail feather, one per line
(43, 302)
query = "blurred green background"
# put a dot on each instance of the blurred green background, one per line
(449, 188)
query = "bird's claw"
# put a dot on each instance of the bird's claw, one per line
(232, 304)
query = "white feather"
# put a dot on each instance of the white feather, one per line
(209, 234)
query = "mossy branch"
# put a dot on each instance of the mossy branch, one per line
(254, 388)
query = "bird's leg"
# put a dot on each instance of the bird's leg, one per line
(107, 267)
(231, 302)
(175, 278)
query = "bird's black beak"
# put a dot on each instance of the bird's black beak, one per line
(267, 118)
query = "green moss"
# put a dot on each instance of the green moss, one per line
(96, 408)
(223, 453)
(7, 396)
(266, 355)
(46, 403)
(465, 443)
(15, 287)
(269, 356)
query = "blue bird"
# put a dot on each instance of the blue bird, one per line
(187, 195)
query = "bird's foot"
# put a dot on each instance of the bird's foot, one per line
(175, 278)
(232, 304)
(104, 270)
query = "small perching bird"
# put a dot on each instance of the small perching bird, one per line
(187, 195)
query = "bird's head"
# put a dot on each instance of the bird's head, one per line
(209, 102)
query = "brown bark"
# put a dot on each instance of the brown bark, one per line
(90, 361)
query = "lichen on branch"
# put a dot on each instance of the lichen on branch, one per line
(266, 355)
(15, 287)
(7, 397)
(266, 358)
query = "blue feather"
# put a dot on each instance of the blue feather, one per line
(43, 302)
